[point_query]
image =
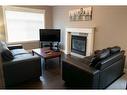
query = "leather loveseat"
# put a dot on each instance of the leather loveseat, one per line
(22, 67)
(94, 72)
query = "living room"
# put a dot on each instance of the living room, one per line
(107, 22)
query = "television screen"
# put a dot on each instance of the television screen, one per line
(50, 35)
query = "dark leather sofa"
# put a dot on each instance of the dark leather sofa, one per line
(93, 72)
(23, 67)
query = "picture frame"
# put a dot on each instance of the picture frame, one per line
(81, 14)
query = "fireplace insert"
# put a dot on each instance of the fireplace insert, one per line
(78, 44)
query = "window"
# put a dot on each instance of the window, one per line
(23, 25)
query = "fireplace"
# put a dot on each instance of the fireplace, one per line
(78, 44)
(78, 49)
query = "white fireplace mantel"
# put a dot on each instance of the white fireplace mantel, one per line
(90, 39)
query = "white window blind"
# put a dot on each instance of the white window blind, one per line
(23, 26)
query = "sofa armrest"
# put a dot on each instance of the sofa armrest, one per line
(86, 78)
(17, 46)
(22, 60)
(21, 69)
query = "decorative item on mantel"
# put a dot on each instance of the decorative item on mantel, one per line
(82, 14)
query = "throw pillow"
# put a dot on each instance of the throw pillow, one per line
(3, 46)
(5, 52)
(97, 51)
(7, 55)
(101, 54)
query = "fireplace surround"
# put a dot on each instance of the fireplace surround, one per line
(86, 32)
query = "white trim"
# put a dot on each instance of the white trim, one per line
(78, 55)
(80, 30)
(21, 9)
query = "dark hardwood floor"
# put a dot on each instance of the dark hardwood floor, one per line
(50, 79)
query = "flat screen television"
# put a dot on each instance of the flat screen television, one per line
(52, 35)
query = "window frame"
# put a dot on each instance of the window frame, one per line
(20, 9)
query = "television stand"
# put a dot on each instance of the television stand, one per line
(46, 45)
(51, 46)
(56, 50)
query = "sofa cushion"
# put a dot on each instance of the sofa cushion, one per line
(114, 49)
(15, 46)
(25, 56)
(19, 51)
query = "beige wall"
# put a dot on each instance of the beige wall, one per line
(48, 24)
(110, 23)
